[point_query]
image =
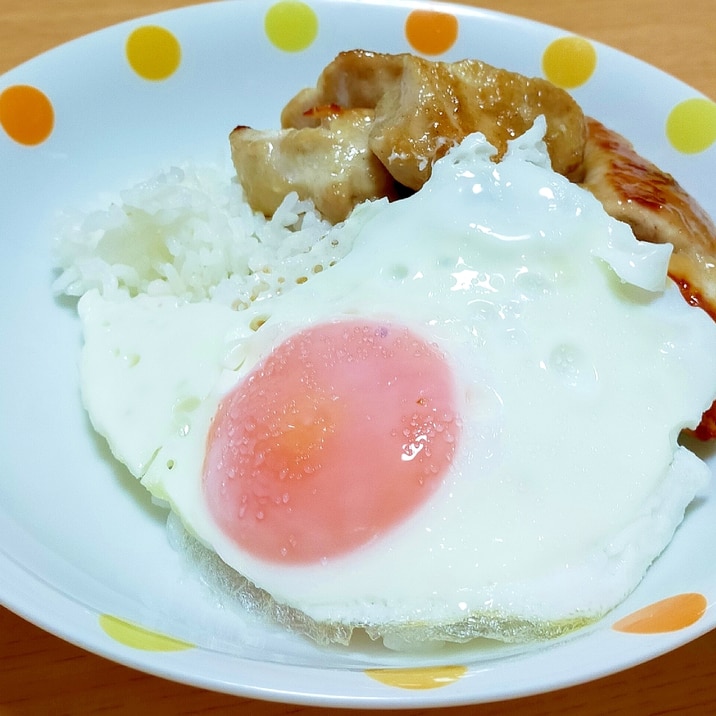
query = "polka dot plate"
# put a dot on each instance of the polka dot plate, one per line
(83, 552)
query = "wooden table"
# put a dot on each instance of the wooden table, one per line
(40, 674)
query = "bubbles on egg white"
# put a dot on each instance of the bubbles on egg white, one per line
(572, 367)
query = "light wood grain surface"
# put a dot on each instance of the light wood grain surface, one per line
(40, 674)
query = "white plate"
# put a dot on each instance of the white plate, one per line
(78, 537)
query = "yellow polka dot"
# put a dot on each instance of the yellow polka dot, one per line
(424, 677)
(139, 638)
(670, 614)
(291, 25)
(153, 52)
(691, 125)
(26, 114)
(431, 32)
(569, 62)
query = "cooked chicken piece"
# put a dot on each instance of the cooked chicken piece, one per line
(422, 108)
(356, 78)
(436, 105)
(635, 191)
(329, 163)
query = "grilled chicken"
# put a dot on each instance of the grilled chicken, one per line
(329, 163)
(436, 105)
(375, 123)
(635, 191)
(422, 108)
(353, 79)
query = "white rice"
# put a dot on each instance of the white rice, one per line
(189, 232)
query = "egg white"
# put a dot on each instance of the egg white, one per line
(577, 362)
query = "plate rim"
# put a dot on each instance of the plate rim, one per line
(144, 661)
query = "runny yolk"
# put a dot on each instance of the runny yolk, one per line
(339, 435)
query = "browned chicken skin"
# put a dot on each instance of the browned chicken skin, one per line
(423, 108)
(634, 190)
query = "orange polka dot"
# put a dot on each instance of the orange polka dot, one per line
(431, 32)
(26, 114)
(669, 614)
(153, 52)
(569, 62)
(422, 677)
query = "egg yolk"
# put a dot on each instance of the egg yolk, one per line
(341, 433)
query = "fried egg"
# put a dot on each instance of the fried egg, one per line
(467, 427)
